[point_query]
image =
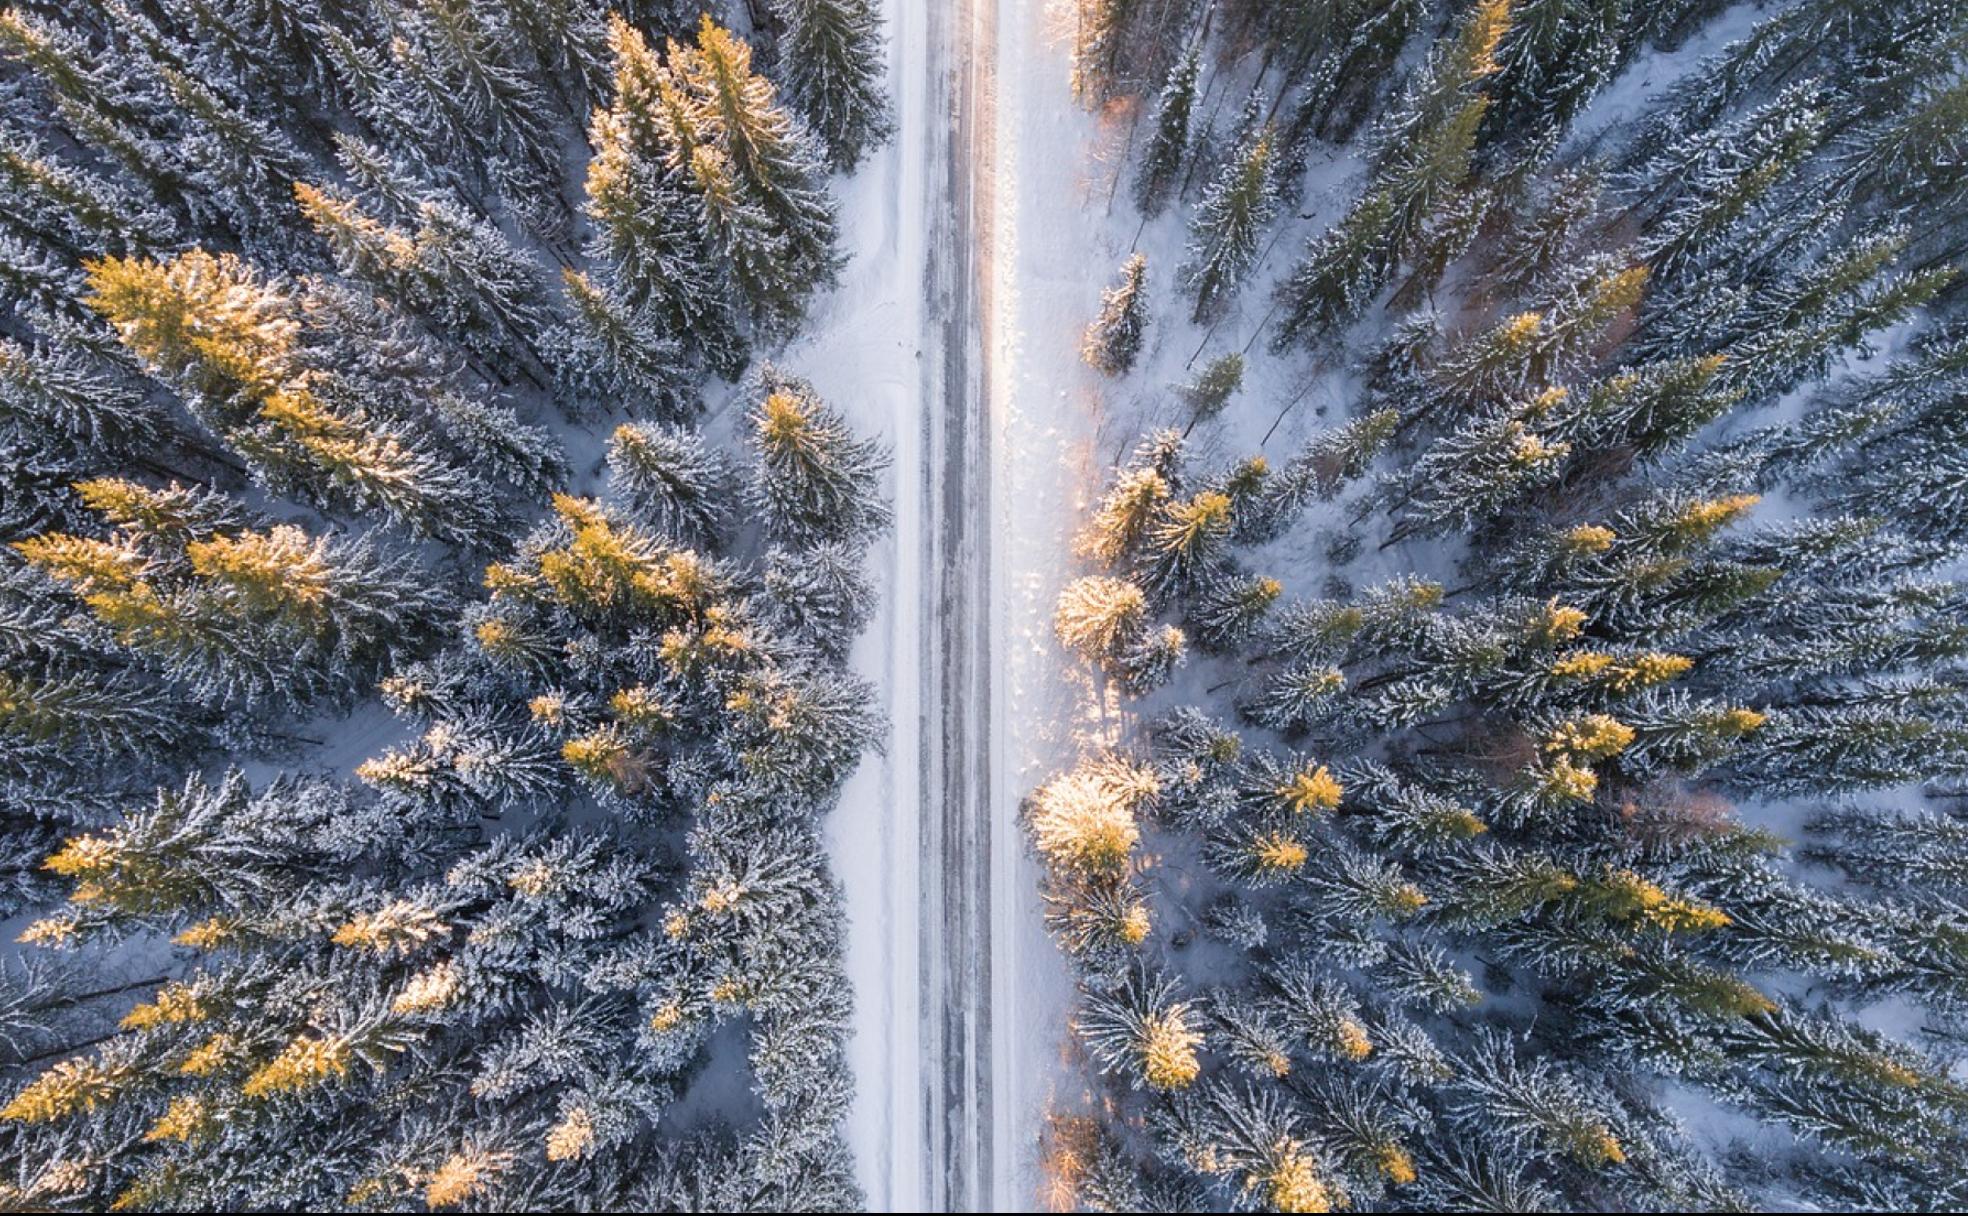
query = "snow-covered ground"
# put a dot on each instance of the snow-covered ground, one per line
(864, 352)
(942, 1118)
(1053, 249)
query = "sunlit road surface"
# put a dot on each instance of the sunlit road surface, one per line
(956, 761)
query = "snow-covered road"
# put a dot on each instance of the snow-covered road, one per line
(954, 332)
(957, 669)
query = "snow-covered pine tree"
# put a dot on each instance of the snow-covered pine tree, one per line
(813, 481)
(671, 478)
(1163, 160)
(1211, 390)
(1422, 163)
(1113, 341)
(1230, 221)
(605, 353)
(832, 55)
(649, 227)
(774, 164)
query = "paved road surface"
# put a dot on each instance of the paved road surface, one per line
(957, 655)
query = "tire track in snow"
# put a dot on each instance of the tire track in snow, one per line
(956, 761)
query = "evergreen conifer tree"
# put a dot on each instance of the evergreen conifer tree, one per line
(813, 480)
(1168, 145)
(1113, 341)
(832, 55)
(1230, 221)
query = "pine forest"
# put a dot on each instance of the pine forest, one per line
(945, 605)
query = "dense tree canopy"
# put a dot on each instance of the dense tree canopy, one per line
(1559, 797)
(395, 818)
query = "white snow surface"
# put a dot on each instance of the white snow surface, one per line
(1052, 252)
(1049, 250)
(862, 351)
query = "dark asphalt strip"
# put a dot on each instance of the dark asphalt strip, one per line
(956, 668)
